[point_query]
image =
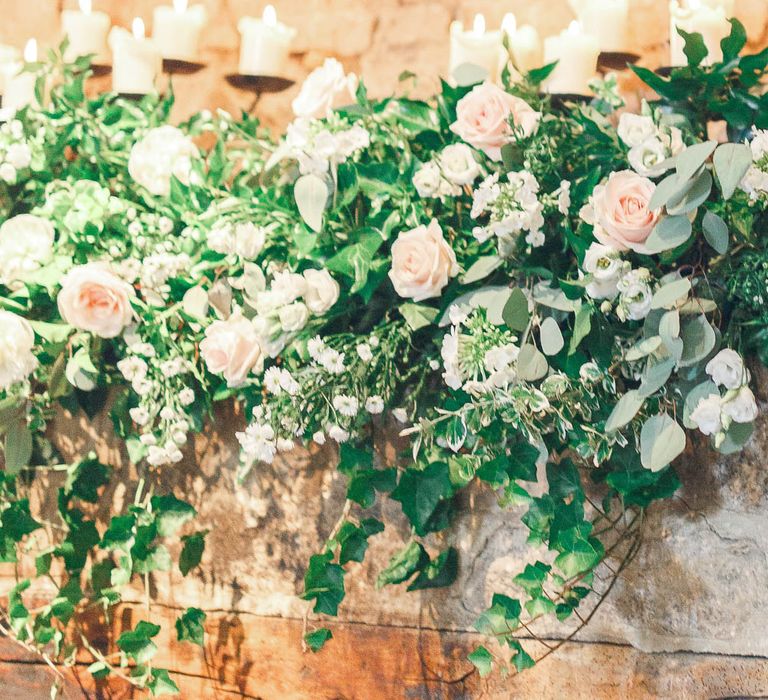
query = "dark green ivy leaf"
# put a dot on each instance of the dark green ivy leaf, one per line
(192, 551)
(324, 582)
(438, 573)
(161, 683)
(170, 514)
(137, 643)
(420, 492)
(190, 626)
(317, 639)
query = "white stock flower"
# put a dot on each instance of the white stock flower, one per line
(633, 129)
(706, 414)
(322, 291)
(458, 164)
(163, 152)
(727, 369)
(293, 317)
(139, 415)
(17, 339)
(288, 286)
(19, 155)
(742, 407)
(26, 243)
(427, 180)
(604, 264)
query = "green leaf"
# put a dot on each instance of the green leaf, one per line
(715, 232)
(365, 482)
(170, 514)
(137, 643)
(17, 449)
(551, 338)
(481, 268)
(532, 578)
(692, 197)
(403, 565)
(666, 297)
(643, 348)
(420, 491)
(501, 618)
(661, 440)
(51, 332)
(531, 364)
(192, 551)
(482, 660)
(734, 42)
(656, 375)
(695, 49)
(699, 340)
(521, 660)
(316, 640)
(85, 478)
(190, 626)
(17, 521)
(468, 74)
(515, 312)
(324, 582)
(161, 683)
(731, 160)
(580, 552)
(438, 573)
(669, 233)
(311, 194)
(582, 325)
(624, 411)
(692, 158)
(418, 315)
(354, 542)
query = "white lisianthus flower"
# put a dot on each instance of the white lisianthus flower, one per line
(635, 301)
(633, 129)
(427, 180)
(26, 244)
(605, 265)
(288, 286)
(742, 408)
(458, 164)
(17, 339)
(324, 89)
(322, 291)
(727, 369)
(706, 414)
(163, 152)
(249, 240)
(232, 349)
(374, 405)
(346, 405)
(293, 317)
(646, 158)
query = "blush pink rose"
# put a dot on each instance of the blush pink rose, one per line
(620, 211)
(95, 300)
(232, 348)
(422, 262)
(483, 118)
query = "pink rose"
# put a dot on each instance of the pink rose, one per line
(422, 262)
(95, 300)
(232, 348)
(620, 213)
(483, 118)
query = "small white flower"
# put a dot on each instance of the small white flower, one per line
(564, 197)
(293, 317)
(374, 405)
(458, 164)
(635, 294)
(19, 155)
(148, 439)
(8, 173)
(186, 396)
(364, 352)
(338, 433)
(165, 225)
(285, 445)
(272, 381)
(315, 347)
(139, 415)
(17, 340)
(221, 239)
(346, 405)
(400, 414)
(319, 437)
(741, 408)
(167, 413)
(132, 367)
(727, 369)
(248, 240)
(706, 415)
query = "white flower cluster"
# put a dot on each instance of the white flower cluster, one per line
(755, 181)
(319, 149)
(714, 413)
(448, 173)
(17, 340)
(612, 277)
(244, 239)
(17, 153)
(26, 244)
(649, 144)
(156, 270)
(513, 207)
(162, 153)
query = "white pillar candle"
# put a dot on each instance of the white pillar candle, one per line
(9, 56)
(576, 54)
(87, 32)
(524, 43)
(476, 47)
(20, 87)
(176, 30)
(136, 61)
(706, 17)
(608, 20)
(265, 44)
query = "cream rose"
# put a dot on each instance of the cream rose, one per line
(422, 262)
(633, 129)
(322, 291)
(293, 317)
(458, 165)
(325, 87)
(163, 152)
(95, 300)
(483, 118)
(17, 339)
(232, 349)
(26, 243)
(620, 211)
(727, 369)
(742, 408)
(706, 414)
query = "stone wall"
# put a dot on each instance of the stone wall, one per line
(376, 38)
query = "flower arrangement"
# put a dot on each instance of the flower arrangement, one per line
(528, 292)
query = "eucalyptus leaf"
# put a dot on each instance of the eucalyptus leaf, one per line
(624, 411)
(699, 340)
(731, 160)
(669, 233)
(554, 298)
(551, 338)
(418, 315)
(715, 232)
(195, 302)
(661, 441)
(481, 268)
(656, 374)
(468, 74)
(692, 158)
(17, 449)
(643, 348)
(515, 313)
(667, 296)
(693, 197)
(311, 194)
(531, 364)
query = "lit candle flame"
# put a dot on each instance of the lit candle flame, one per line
(138, 28)
(574, 27)
(478, 26)
(86, 6)
(180, 6)
(30, 51)
(509, 23)
(270, 16)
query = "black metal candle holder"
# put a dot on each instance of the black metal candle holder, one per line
(616, 60)
(258, 85)
(177, 66)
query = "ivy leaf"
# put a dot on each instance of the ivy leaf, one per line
(418, 315)
(695, 49)
(532, 578)
(661, 440)
(17, 521)
(521, 660)
(732, 44)
(192, 551)
(316, 640)
(324, 582)
(438, 573)
(482, 660)
(731, 160)
(190, 626)
(403, 565)
(354, 542)
(137, 643)
(311, 194)
(580, 553)
(85, 478)
(161, 683)
(420, 491)
(170, 514)
(365, 482)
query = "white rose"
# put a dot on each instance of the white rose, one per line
(324, 89)
(162, 153)
(727, 369)
(322, 291)
(288, 286)
(17, 339)
(742, 408)
(458, 164)
(232, 348)
(221, 239)
(8, 173)
(646, 157)
(19, 155)
(26, 243)
(249, 240)
(706, 415)
(427, 180)
(604, 264)
(293, 317)
(633, 129)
